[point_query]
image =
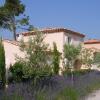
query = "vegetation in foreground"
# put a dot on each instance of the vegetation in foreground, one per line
(84, 82)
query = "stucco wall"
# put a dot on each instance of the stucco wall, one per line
(49, 39)
(10, 51)
(97, 46)
(59, 38)
(75, 39)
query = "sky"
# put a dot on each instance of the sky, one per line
(78, 15)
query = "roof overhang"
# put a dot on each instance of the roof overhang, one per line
(53, 30)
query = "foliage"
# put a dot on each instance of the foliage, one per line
(2, 64)
(56, 59)
(12, 16)
(86, 57)
(41, 95)
(70, 54)
(13, 97)
(36, 57)
(84, 84)
(77, 72)
(68, 93)
(96, 59)
(17, 71)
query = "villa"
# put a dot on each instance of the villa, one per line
(60, 36)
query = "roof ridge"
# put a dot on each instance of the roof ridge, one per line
(53, 30)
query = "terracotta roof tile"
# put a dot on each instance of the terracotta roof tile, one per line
(53, 30)
(92, 41)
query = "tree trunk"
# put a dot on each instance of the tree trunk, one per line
(14, 27)
(14, 33)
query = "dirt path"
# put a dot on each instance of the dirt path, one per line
(94, 96)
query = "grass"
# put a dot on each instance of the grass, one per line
(13, 97)
(41, 95)
(67, 94)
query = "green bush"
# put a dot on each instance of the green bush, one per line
(17, 71)
(39, 76)
(42, 76)
(77, 72)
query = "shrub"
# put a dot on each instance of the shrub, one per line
(17, 71)
(42, 77)
(77, 72)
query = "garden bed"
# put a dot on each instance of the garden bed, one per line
(60, 87)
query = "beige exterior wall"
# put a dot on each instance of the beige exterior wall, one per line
(75, 40)
(97, 46)
(57, 38)
(10, 51)
(49, 39)
(60, 38)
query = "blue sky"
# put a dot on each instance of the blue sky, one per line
(78, 15)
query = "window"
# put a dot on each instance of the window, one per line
(69, 40)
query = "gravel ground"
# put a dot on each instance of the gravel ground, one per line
(94, 96)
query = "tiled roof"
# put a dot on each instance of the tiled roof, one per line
(53, 30)
(92, 41)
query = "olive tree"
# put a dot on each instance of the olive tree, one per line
(36, 57)
(70, 55)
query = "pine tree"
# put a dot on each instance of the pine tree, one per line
(12, 16)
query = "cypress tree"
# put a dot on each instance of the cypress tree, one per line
(2, 64)
(56, 59)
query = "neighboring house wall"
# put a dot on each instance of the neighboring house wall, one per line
(93, 45)
(10, 51)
